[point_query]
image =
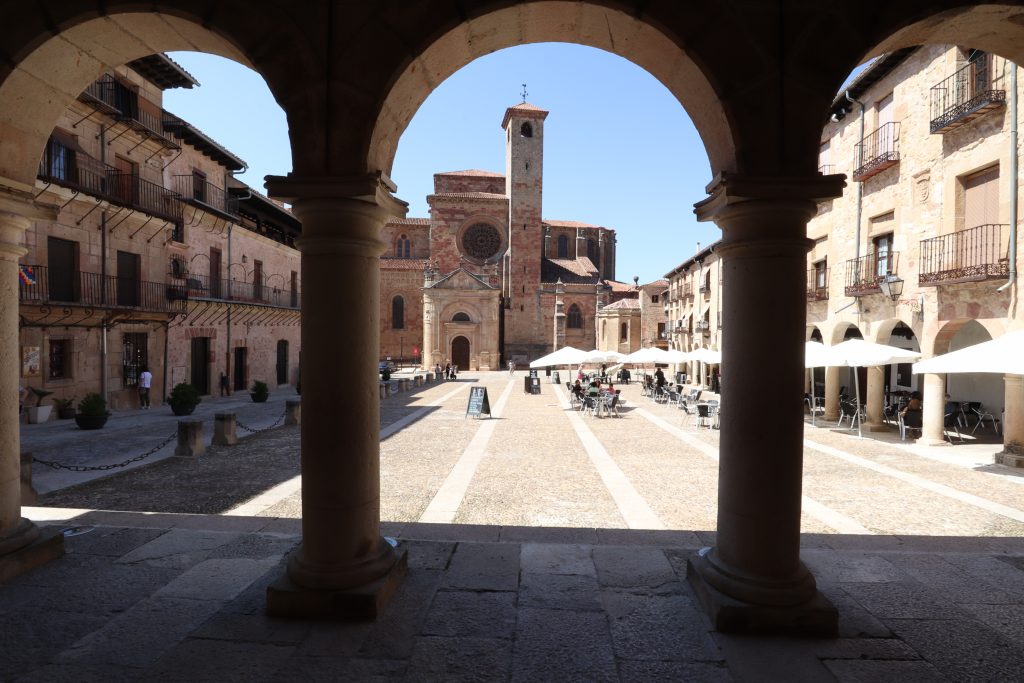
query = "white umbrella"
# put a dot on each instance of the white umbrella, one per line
(1004, 355)
(651, 354)
(858, 353)
(815, 356)
(705, 356)
(599, 356)
(675, 356)
(566, 355)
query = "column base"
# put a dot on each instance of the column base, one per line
(1009, 459)
(876, 426)
(815, 617)
(45, 545)
(362, 603)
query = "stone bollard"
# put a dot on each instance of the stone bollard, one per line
(292, 412)
(383, 389)
(392, 387)
(190, 439)
(403, 384)
(417, 381)
(28, 494)
(224, 429)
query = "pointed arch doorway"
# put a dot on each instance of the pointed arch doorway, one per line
(460, 352)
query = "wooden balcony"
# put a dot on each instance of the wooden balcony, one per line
(971, 255)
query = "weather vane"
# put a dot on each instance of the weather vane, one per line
(524, 92)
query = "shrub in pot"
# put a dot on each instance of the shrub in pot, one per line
(65, 407)
(92, 412)
(183, 399)
(260, 391)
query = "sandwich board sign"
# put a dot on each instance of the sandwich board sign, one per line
(478, 403)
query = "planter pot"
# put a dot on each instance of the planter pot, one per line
(181, 411)
(91, 421)
(39, 414)
(66, 413)
(259, 398)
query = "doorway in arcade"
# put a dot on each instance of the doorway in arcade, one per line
(200, 375)
(460, 353)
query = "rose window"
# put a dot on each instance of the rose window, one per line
(481, 241)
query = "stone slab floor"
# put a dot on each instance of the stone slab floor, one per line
(543, 546)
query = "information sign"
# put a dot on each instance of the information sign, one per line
(478, 403)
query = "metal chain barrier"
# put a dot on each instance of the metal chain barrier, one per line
(103, 468)
(257, 430)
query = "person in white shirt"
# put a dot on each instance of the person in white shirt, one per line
(145, 382)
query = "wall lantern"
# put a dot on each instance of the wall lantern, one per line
(891, 286)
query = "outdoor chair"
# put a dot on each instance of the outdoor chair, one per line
(950, 423)
(982, 414)
(705, 414)
(911, 420)
(849, 410)
(611, 404)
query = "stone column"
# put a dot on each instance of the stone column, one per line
(1013, 423)
(831, 394)
(344, 567)
(559, 331)
(22, 545)
(875, 399)
(753, 578)
(933, 410)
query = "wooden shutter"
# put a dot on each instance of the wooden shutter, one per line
(981, 198)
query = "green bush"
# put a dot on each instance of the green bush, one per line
(260, 388)
(92, 405)
(184, 395)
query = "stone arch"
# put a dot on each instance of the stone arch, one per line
(449, 312)
(940, 343)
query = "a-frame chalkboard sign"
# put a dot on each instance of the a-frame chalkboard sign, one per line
(478, 403)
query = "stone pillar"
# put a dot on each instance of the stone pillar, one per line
(22, 545)
(559, 331)
(1013, 421)
(831, 394)
(190, 439)
(875, 399)
(933, 410)
(753, 578)
(292, 412)
(344, 567)
(224, 429)
(429, 352)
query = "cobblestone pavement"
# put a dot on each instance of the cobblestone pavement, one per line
(543, 545)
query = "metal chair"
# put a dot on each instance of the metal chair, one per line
(950, 422)
(982, 413)
(705, 414)
(611, 404)
(849, 409)
(911, 419)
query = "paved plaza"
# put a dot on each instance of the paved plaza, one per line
(543, 545)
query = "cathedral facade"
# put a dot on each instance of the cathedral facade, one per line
(486, 278)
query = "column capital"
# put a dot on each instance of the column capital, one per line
(727, 190)
(373, 188)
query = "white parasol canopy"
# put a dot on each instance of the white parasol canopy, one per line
(599, 356)
(567, 355)
(705, 356)
(815, 356)
(1004, 355)
(651, 354)
(675, 356)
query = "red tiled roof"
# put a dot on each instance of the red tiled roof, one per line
(409, 221)
(473, 172)
(623, 303)
(568, 224)
(657, 283)
(392, 263)
(620, 286)
(569, 271)
(523, 108)
(469, 195)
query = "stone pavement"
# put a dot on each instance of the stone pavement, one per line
(543, 546)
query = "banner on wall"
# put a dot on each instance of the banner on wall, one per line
(29, 361)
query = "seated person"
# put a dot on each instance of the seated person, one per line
(913, 404)
(594, 389)
(577, 389)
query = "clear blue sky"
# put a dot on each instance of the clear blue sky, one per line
(619, 149)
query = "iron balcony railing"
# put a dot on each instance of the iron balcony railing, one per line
(125, 105)
(967, 94)
(195, 190)
(222, 289)
(817, 284)
(968, 255)
(827, 169)
(863, 274)
(70, 168)
(877, 151)
(42, 285)
(702, 326)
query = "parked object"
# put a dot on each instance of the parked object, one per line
(260, 392)
(92, 412)
(183, 399)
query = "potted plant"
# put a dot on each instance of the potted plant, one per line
(260, 392)
(92, 412)
(39, 413)
(65, 407)
(183, 399)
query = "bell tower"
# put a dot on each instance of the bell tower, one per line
(524, 185)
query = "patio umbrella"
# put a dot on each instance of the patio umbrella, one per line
(1004, 355)
(675, 356)
(566, 355)
(857, 353)
(599, 356)
(651, 354)
(705, 356)
(815, 356)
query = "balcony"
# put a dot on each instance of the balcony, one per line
(863, 274)
(971, 255)
(219, 289)
(878, 151)
(827, 169)
(967, 94)
(44, 286)
(702, 326)
(205, 196)
(64, 165)
(705, 290)
(117, 100)
(817, 284)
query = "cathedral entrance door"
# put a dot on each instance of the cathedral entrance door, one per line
(460, 352)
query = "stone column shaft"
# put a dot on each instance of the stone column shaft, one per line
(875, 398)
(831, 394)
(933, 409)
(1013, 424)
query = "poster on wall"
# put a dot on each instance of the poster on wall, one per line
(29, 361)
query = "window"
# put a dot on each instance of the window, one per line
(661, 331)
(403, 247)
(563, 246)
(624, 332)
(199, 185)
(398, 313)
(177, 267)
(981, 198)
(883, 110)
(257, 280)
(526, 130)
(592, 250)
(128, 279)
(460, 317)
(654, 298)
(883, 254)
(134, 357)
(62, 269)
(574, 319)
(821, 274)
(60, 359)
(825, 158)
(295, 289)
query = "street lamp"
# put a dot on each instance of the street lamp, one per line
(891, 286)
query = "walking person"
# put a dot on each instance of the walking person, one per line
(511, 368)
(223, 383)
(145, 383)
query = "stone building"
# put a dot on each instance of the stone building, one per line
(486, 278)
(920, 253)
(693, 307)
(155, 256)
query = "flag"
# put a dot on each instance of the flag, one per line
(27, 274)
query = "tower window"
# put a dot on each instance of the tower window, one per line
(624, 332)
(403, 247)
(460, 317)
(398, 313)
(526, 130)
(574, 319)
(563, 246)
